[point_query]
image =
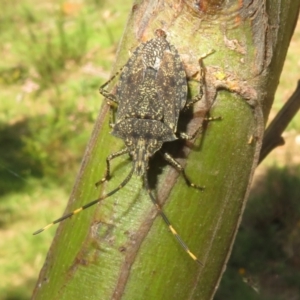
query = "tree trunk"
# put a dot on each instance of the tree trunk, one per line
(121, 248)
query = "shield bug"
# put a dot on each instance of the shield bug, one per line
(150, 94)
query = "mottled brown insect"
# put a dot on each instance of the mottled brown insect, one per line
(151, 92)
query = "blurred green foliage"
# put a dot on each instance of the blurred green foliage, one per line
(55, 55)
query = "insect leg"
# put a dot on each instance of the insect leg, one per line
(107, 94)
(201, 80)
(180, 169)
(171, 228)
(108, 159)
(186, 136)
(78, 210)
(113, 100)
(198, 98)
(195, 99)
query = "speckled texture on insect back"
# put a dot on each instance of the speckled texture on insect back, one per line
(150, 94)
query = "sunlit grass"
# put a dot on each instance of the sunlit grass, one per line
(54, 57)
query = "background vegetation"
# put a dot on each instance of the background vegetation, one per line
(55, 55)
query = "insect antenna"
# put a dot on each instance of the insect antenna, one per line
(171, 228)
(76, 211)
